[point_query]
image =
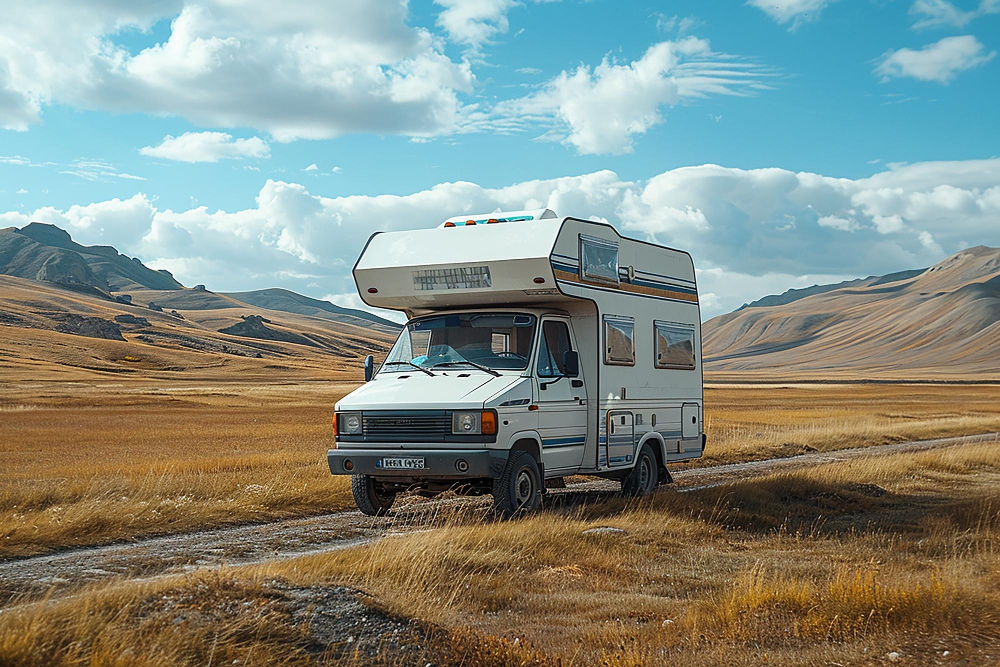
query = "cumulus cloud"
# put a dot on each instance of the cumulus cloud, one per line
(751, 232)
(207, 147)
(943, 14)
(603, 108)
(296, 70)
(941, 61)
(474, 22)
(794, 12)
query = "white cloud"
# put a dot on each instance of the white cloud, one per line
(604, 107)
(750, 231)
(22, 191)
(207, 147)
(795, 12)
(940, 61)
(337, 170)
(311, 167)
(943, 14)
(97, 170)
(474, 22)
(528, 70)
(296, 70)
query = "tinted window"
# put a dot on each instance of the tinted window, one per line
(674, 346)
(598, 260)
(554, 342)
(619, 341)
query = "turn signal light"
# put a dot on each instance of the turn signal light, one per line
(489, 423)
(335, 424)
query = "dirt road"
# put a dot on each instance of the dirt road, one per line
(59, 574)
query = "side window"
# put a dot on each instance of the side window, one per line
(598, 260)
(619, 341)
(555, 341)
(674, 346)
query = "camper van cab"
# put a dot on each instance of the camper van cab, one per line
(536, 347)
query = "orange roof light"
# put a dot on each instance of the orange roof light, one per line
(449, 224)
(492, 221)
(469, 222)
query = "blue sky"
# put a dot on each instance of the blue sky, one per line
(850, 137)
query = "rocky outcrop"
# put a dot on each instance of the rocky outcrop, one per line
(255, 326)
(92, 327)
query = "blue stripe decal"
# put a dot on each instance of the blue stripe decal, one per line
(563, 442)
(612, 289)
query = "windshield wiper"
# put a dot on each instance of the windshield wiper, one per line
(485, 369)
(408, 363)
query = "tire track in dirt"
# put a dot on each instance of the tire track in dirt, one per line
(54, 575)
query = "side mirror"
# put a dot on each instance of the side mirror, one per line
(369, 367)
(571, 362)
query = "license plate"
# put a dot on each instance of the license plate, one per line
(403, 463)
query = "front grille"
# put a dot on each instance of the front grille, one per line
(406, 425)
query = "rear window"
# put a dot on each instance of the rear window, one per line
(674, 344)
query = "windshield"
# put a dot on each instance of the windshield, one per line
(498, 341)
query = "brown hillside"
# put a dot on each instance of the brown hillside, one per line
(48, 332)
(942, 323)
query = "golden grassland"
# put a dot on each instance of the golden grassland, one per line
(84, 464)
(843, 563)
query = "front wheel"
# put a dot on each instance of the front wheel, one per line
(369, 497)
(642, 480)
(519, 489)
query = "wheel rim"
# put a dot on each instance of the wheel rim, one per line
(524, 487)
(644, 473)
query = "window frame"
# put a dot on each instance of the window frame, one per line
(594, 241)
(608, 320)
(676, 326)
(544, 349)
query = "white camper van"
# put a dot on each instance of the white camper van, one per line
(536, 347)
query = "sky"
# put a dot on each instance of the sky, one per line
(257, 144)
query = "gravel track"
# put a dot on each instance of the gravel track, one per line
(54, 575)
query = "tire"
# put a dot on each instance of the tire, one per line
(641, 481)
(519, 489)
(368, 498)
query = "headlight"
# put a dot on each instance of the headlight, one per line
(466, 422)
(349, 423)
(474, 423)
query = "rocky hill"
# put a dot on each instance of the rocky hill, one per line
(45, 252)
(74, 311)
(940, 322)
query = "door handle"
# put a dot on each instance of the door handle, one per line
(582, 401)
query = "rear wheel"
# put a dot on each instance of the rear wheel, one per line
(519, 489)
(642, 480)
(370, 498)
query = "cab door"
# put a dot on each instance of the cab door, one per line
(560, 396)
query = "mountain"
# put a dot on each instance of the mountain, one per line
(942, 322)
(45, 252)
(276, 298)
(69, 311)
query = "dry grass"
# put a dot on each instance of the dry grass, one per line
(88, 465)
(84, 464)
(750, 422)
(840, 564)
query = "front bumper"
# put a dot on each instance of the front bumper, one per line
(438, 463)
